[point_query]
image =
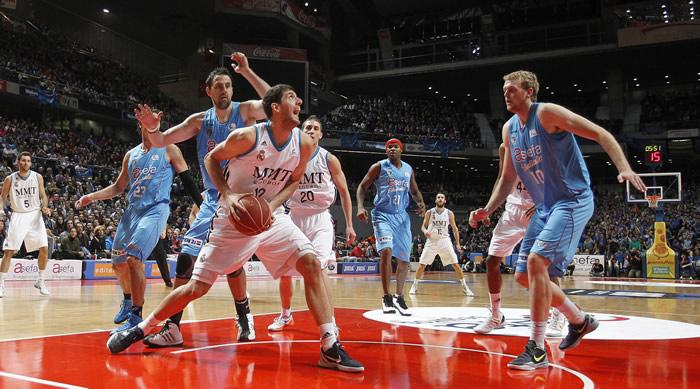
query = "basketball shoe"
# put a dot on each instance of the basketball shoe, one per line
(246, 328)
(532, 358)
(41, 285)
(576, 332)
(556, 325)
(401, 306)
(120, 341)
(124, 310)
(388, 304)
(280, 322)
(337, 358)
(490, 324)
(168, 336)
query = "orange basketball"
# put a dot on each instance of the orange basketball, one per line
(255, 219)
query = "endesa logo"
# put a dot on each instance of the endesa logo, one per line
(521, 155)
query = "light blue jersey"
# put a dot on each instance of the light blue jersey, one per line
(550, 165)
(553, 170)
(212, 133)
(393, 185)
(150, 177)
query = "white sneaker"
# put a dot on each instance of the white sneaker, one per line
(246, 328)
(168, 336)
(414, 288)
(388, 304)
(490, 324)
(280, 322)
(466, 290)
(556, 324)
(41, 285)
(400, 305)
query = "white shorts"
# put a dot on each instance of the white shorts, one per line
(318, 227)
(442, 247)
(509, 231)
(227, 250)
(27, 227)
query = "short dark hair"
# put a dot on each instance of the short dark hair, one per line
(221, 71)
(274, 95)
(314, 118)
(24, 154)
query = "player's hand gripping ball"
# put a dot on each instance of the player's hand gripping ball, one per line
(253, 217)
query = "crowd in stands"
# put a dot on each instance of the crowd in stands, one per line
(73, 164)
(412, 120)
(676, 108)
(37, 57)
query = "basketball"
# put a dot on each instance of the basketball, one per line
(257, 217)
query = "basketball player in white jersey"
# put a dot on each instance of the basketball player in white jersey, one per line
(308, 208)
(508, 233)
(28, 201)
(266, 160)
(438, 242)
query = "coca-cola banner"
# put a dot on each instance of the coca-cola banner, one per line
(300, 16)
(266, 52)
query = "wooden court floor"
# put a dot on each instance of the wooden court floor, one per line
(649, 337)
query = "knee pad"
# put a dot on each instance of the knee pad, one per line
(185, 264)
(235, 273)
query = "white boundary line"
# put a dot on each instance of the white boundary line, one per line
(39, 381)
(587, 382)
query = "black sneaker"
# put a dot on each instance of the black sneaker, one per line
(120, 341)
(388, 304)
(246, 328)
(337, 358)
(576, 332)
(532, 358)
(401, 306)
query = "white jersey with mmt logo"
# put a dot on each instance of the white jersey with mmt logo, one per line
(24, 192)
(519, 196)
(439, 223)
(316, 188)
(265, 169)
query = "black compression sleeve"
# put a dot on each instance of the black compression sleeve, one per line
(190, 187)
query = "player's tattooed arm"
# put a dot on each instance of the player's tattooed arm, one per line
(367, 181)
(424, 226)
(251, 110)
(5, 192)
(42, 197)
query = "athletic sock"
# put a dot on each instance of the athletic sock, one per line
(537, 330)
(136, 310)
(148, 324)
(41, 275)
(176, 318)
(127, 296)
(286, 312)
(2, 277)
(242, 308)
(573, 314)
(327, 332)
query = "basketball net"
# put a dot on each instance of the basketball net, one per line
(653, 201)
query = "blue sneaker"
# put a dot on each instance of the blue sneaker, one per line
(132, 321)
(123, 313)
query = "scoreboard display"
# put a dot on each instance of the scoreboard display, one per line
(654, 154)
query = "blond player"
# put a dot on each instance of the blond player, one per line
(435, 224)
(308, 208)
(28, 201)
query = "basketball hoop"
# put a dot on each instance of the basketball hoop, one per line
(653, 201)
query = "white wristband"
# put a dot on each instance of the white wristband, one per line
(154, 130)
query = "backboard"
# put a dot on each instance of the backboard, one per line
(664, 186)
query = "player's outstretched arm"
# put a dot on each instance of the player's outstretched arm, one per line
(179, 133)
(307, 149)
(555, 118)
(368, 180)
(417, 195)
(183, 171)
(251, 110)
(116, 188)
(237, 143)
(345, 200)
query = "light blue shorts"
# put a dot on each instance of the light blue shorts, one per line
(393, 231)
